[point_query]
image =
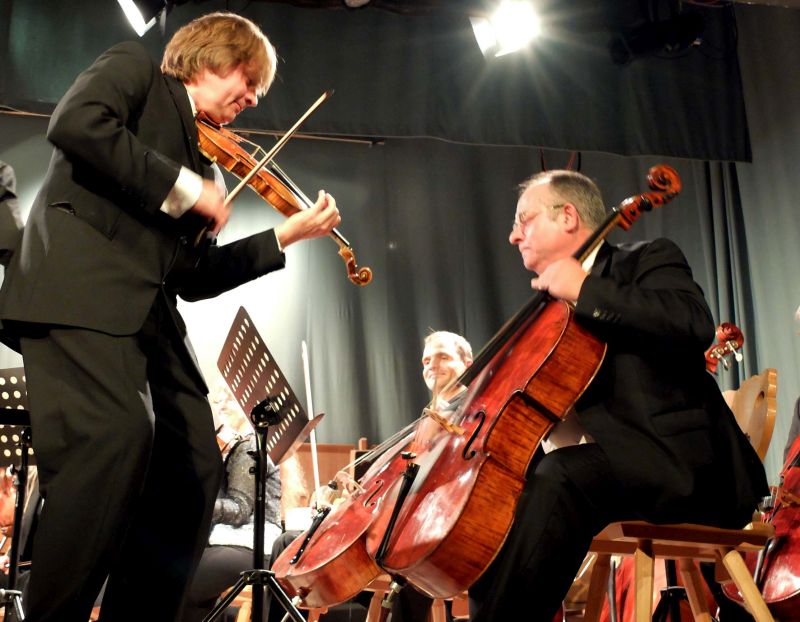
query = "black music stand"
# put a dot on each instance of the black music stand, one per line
(280, 425)
(253, 376)
(15, 446)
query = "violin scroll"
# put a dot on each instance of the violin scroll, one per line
(358, 276)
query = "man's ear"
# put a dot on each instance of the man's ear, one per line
(572, 219)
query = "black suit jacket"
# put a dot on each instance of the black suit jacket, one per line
(96, 249)
(653, 407)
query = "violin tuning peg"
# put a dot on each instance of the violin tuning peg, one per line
(738, 356)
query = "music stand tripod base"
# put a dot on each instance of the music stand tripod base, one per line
(258, 577)
(264, 578)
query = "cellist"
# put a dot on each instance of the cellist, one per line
(445, 356)
(651, 438)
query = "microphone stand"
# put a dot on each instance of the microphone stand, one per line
(265, 414)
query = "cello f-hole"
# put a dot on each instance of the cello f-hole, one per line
(375, 491)
(468, 453)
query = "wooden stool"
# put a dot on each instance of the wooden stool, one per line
(687, 544)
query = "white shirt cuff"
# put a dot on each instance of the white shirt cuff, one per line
(184, 193)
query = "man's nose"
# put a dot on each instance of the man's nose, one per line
(251, 99)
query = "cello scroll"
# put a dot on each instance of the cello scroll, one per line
(729, 341)
(665, 184)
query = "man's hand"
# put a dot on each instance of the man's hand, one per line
(211, 207)
(561, 279)
(309, 223)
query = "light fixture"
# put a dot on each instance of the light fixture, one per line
(512, 26)
(142, 13)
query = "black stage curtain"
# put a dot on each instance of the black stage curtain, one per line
(424, 76)
(432, 218)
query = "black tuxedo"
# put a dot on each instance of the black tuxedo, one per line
(122, 430)
(121, 132)
(667, 448)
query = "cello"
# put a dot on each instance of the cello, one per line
(729, 341)
(777, 569)
(428, 525)
(522, 383)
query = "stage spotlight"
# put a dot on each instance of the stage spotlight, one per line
(142, 13)
(511, 27)
(670, 36)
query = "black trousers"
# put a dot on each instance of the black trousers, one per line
(569, 496)
(128, 467)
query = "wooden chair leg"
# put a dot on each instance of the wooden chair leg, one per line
(643, 582)
(244, 611)
(438, 611)
(460, 606)
(693, 583)
(597, 588)
(314, 614)
(738, 571)
(374, 611)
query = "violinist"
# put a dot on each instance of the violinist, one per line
(123, 433)
(651, 438)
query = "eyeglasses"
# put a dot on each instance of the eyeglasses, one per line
(525, 218)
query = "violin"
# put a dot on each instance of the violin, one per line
(729, 341)
(224, 147)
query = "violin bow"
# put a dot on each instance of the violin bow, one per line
(313, 435)
(270, 155)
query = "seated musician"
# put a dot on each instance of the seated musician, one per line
(230, 545)
(445, 357)
(651, 438)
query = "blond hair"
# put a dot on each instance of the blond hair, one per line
(221, 42)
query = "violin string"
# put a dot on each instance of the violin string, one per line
(276, 147)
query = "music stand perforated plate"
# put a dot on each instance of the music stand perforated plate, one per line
(13, 415)
(253, 376)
